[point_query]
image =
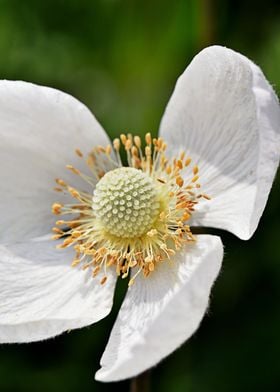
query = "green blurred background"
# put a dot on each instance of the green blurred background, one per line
(122, 58)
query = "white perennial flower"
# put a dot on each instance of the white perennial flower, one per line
(127, 210)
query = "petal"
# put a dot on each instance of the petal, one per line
(39, 130)
(226, 116)
(42, 295)
(160, 312)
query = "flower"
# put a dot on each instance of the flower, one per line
(224, 115)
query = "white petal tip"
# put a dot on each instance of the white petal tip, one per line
(159, 314)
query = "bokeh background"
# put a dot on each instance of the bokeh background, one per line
(122, 58)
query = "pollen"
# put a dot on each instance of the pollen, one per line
(136, 215)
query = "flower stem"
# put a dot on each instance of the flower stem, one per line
(141, 383)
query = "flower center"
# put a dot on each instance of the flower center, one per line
(134, 217)
(125, 202)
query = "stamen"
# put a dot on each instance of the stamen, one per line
(136, 216)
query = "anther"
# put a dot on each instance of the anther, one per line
(195, 178)
(195, 170)
(56, 208)
(79, 153)
(73, 169)
(179, 181)
(60, 182)
(123, 139)
(137, 141)
(103, 280)
(116, 144)
(148, 138)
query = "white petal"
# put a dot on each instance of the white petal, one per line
(42, 295)
(40, 128)
(160, 312)
(226, 116)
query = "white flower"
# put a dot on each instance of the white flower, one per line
(224, 115)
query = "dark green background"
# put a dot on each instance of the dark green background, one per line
(122, 58)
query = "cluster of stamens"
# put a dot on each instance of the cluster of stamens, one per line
(136, 216)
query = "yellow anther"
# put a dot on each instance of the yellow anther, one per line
(160, 142)
(60, 222)
(168, 170)
(206, 196)
(116, 144)
(56, 237)
(103, 280)
(148, 151)
(73, 169)
(75, 262)
(90, 161)
(195, 170)
(179, 181)
(101, 149)
(96, 271)
(195, 178)
(128, 144)
(56, 208)
(61, 182)
(137, 141)
(76, 234)
(57, 230)
(148, 259)
(123, 138)
(186, 216)
(74, 193)
(79, 152)
(148, 138)
(180, 164)
(151, 267)
(108, 149)
(134, 151)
